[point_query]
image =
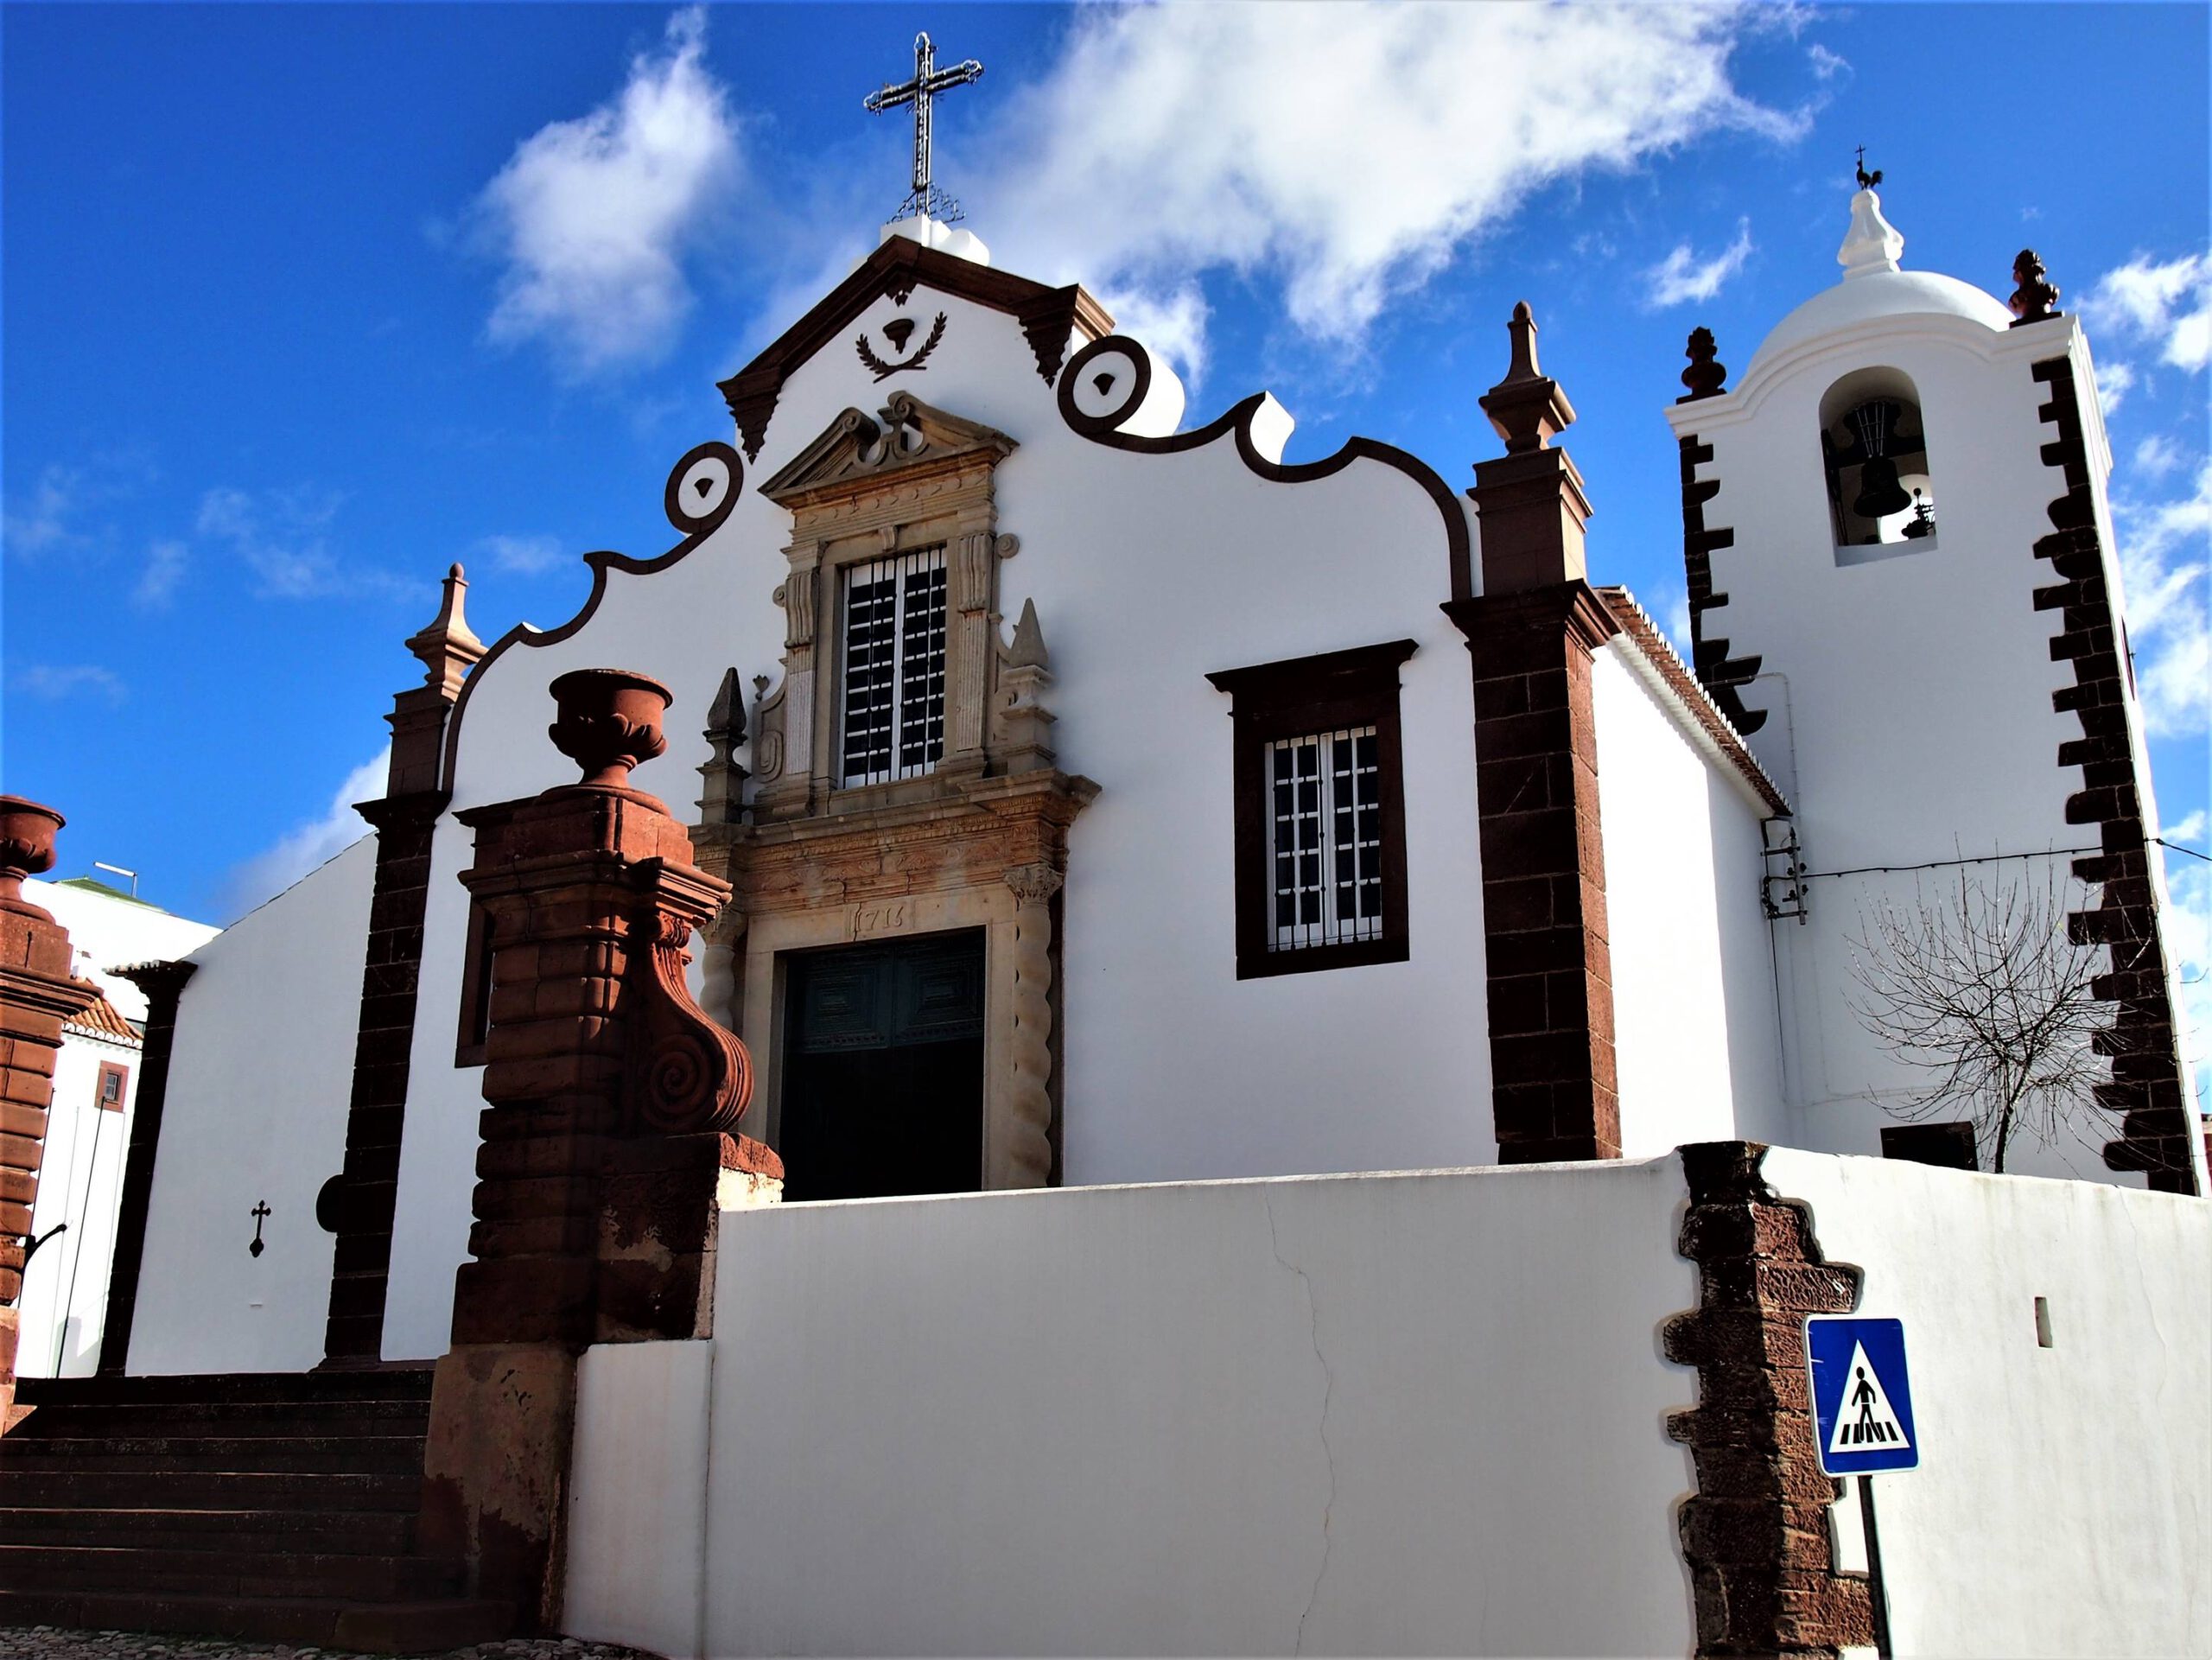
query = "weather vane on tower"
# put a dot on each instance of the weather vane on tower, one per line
(925, 200)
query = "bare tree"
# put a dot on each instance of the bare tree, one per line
(1981, 989)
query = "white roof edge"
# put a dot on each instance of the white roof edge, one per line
(1664, 688)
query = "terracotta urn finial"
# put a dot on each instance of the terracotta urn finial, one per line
(1707, 377)
(609, 723)
(2035, 300)
(27, 831)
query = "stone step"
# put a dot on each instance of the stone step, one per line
(426, 1627)
(389, 1384)
(191, 1419)
(163, 1455)
(205, 1491)
(278, 1573)
(367, 1532)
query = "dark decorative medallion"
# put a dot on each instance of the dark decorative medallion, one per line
(898, 331)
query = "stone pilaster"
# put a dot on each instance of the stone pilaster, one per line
(1027, 1157)
(37, 993)
(356, 1205)
(1530, 636)
(163, 984)
(607, 1138)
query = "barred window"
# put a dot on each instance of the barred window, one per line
(893, 714)
(1325, 838)
(1320, 800)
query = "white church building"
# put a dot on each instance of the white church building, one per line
(1107, 804)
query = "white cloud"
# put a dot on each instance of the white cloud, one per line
(166, 564)
(54, 682)
(2189, 937)
(1827, 65)
(305, 847)
(2114, 382)
(280, 535)
(2157, 456)
(593, 215)
(523, 556)
(2162, 557)
(1681, 275)
(42, 521)
(1674, 615)
(2191, 829)
(1349, 155)
(2169, 305)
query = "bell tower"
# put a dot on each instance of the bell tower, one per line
(1904, 588)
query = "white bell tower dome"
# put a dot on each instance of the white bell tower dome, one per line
(1903, 586)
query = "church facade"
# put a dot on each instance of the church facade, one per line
(1104, 800)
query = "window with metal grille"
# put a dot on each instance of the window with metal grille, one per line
(893, 700)
(1319, 791)
(1325, 838)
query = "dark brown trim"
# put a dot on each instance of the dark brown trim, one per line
(358, 1204)
(475, 1022)
(122, 1076)
(1757, 1534)
(1048, 316)
(1554, 1090)
(163, 984)
(1722, 676)
(1291, 699)
(2148, 1087)
(1238, 419)
(697, 528)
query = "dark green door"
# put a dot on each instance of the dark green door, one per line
(883, 1069)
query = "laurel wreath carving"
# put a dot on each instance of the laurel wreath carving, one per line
(885, 371)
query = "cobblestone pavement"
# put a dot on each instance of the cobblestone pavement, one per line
(52, 1643)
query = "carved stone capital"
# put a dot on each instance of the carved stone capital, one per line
(1034, 884)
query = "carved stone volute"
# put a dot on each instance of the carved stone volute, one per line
(687, 1074)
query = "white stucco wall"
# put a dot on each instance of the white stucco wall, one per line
(64, 1302)
(1147, 572)
(1908, 698)
(258, 1085)
(1411, 1414)
(1695, 1031)
(64, 1305)
(2063, 1502)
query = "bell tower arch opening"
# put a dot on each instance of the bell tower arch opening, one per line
(1874, 453)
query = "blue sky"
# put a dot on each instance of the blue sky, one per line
(303, 303)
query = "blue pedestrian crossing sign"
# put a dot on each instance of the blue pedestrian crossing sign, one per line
(1862, 1398)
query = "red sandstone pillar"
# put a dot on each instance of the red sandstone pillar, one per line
(37, 993)
(1531, 634)
(606, 1142)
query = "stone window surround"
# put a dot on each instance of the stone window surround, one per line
(980, 841)
(1295, 698)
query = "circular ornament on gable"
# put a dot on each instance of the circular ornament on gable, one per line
(1104, 384)
(703, 488)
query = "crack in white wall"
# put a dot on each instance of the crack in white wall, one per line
(1328, 1391)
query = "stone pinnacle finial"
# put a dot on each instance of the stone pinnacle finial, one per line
(1707, 377)
(2036, 299)
(1528, 408)
(447, 648)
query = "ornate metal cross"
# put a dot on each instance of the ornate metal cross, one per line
(929, 80)
(260, 1213)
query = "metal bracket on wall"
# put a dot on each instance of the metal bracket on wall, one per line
(1781, 889)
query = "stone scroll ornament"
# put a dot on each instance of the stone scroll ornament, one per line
(689, 1075)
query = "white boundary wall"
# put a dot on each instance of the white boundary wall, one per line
(1397, 1414)
(1384, 1414)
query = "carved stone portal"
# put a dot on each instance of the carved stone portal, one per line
(978, 841)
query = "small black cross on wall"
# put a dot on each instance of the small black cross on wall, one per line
(260, 1214)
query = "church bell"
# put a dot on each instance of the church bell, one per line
(1880, 494)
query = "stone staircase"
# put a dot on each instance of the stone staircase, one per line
(272, 1507)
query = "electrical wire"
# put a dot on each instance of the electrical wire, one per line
(1985, 859)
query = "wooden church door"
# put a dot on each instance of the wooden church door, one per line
(883, 1069)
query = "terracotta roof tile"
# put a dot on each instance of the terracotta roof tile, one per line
(100, 1018)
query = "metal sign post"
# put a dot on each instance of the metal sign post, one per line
(1863, 1424)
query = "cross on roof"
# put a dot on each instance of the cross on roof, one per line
(925, 200)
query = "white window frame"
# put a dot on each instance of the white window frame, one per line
(1336, 863)
(912, 739)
